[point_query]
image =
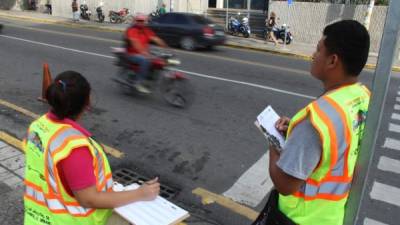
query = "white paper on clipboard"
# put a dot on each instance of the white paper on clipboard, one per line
(266, 123)
(156, 212)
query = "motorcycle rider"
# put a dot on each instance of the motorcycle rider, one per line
(138, 38)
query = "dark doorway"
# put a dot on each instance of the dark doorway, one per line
(212, 3)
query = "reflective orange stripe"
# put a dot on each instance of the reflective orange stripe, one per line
(46, 155)
(312, 120)
(321, 196)
(66, 141)
(295, 123)
(332, 134)
(346, 132)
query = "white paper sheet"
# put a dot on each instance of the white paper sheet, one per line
(266, 123)
(157, 212)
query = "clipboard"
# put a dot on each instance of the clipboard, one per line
(157, 212)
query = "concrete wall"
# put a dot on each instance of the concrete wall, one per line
(63, 7)
(307, 20)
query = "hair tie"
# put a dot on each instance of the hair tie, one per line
(63, 85)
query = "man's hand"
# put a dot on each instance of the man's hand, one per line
(282, 125)
(159, 42)
(150, 190)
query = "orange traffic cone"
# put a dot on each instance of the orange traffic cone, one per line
(46, 82)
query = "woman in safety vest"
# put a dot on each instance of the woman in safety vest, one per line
(67, 175)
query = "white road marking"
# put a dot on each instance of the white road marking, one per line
(395, 116)
(394, 127)
(11, 166)
(188, 72)
(392, 144)
(389, 164)
(368, 221)
(250, 84)
(396, 107)
(253, 185)
(385, 193)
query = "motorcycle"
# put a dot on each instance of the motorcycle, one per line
(85, 12)
(154, 14)
(123, 16)
(100, 14)
(280, 34)
(235, 27)
(171, 84)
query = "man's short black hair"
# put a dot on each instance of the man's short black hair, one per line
(350, 40)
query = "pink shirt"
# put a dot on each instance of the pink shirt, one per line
(76, 171)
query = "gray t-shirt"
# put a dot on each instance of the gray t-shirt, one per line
(302, 151)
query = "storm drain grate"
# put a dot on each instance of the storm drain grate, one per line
(126, 177)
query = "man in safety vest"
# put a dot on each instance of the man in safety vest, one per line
(314, 170)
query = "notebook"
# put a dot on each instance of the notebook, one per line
(266, 124)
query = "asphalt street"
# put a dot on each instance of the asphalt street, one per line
(208, 145)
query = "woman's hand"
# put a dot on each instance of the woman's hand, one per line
(282, 125)
(150, 190)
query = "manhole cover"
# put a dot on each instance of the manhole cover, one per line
(126, 177)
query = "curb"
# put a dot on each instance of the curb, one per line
(229, 44)
(65, 23)
(294, 55)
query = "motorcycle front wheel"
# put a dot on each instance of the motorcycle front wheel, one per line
(246, 35)
(113, 20)
(177, 92)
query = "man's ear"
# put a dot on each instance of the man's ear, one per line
(333, 61)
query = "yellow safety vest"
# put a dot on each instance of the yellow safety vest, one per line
(46, 200)
(339, 118)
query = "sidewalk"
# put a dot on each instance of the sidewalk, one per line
(11, 188)
(298, 50)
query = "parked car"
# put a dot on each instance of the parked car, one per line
(189, 31)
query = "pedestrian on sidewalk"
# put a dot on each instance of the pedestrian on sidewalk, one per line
(163, 9)
(67, 175)
(271, 27)
(314, 170)
(75, 11)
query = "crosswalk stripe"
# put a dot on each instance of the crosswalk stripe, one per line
(368, 221)
(385, 193)
(394, 127)
(395, 116)
(396, 107)
(392, 144)
(388, 164)
(256, 179)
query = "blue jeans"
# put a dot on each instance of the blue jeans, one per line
(144, 65)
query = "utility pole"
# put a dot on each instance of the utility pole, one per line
(227, 14)
(379, 91)
(248, 10)
(368, 14)
(171, 5)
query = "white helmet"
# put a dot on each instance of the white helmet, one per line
(245, 20)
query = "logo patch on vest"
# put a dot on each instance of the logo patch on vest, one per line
(34, 138)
